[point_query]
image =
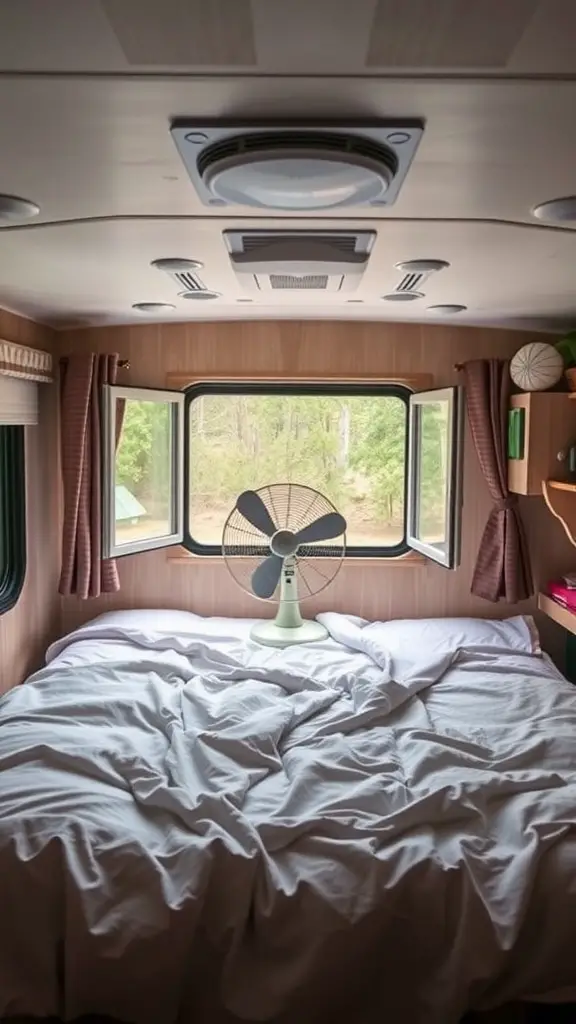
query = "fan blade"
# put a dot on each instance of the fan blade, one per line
(324, 528)
(254, 510)
(265, 578)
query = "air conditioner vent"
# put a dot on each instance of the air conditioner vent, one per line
(410, 282)
(293, 281)
(297, 260)
(189, 282)
(254, 242)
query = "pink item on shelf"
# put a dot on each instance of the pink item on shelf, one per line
(566, 596)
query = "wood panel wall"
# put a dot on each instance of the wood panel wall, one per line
(311, 348)
(26, 630)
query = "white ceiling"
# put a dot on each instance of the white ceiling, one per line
(88, 89)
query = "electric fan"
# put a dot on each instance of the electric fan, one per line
(275, 537)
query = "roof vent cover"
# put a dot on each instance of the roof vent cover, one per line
(297, 168)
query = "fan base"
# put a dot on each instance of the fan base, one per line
(271, 635)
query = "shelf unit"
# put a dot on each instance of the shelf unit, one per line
(549, 427)
(563, 616)
(562, 485)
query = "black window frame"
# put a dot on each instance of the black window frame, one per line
(12, 515)
(294, 388)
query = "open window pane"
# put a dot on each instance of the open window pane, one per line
(347, 441)
(143, 469)
(434, 493)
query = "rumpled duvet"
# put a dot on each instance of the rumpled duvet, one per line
(195, 828)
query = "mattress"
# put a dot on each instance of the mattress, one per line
(380, 826)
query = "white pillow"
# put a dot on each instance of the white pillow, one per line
(170, 621)
(428, 636)
(151, 620)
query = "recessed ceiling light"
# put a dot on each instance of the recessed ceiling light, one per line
(173, 264)
(403, 296)
(422, 266)
(152, 307)
(446, 308)
(15, 208)
(558, 211)
(205, 294)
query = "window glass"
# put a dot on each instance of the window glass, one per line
(143, 469)
(350, 444)
(432, 500)
(435, 475)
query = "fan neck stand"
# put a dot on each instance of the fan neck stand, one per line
(288, 627)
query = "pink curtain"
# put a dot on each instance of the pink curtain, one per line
(503, 563)
(84, 572)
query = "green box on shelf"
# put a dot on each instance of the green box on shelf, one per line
(516, 434)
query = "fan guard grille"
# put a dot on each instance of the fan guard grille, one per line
(292, 507)
(332, 143)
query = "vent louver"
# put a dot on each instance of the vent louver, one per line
(253, 242)
(410, 282)
(415, 273)
(293, 281)
(189, 284)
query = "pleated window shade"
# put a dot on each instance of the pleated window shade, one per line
(18, 402)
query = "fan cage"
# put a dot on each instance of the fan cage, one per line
(291, 507)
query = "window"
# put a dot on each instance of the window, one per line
(144, 469)
(388, 459)
(434, 491)
(348, 441)
(12, 516)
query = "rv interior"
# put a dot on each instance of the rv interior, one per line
(288, 511)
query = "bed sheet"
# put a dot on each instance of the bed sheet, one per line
(305, 833)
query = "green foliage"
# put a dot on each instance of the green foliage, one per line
(143, 456)
(379, 450)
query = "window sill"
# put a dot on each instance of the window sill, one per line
(411, 560)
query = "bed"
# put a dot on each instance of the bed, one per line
(378, 827)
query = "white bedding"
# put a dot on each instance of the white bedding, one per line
(196, 828)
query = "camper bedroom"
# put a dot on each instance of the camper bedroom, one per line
(287, 512)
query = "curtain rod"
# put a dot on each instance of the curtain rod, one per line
(123, 364)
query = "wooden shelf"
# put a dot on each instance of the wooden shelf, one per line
(562, 485)
(563, 616)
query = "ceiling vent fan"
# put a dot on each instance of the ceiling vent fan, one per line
(330, 261)
(414, 274)
(183, 273)
(297, 167)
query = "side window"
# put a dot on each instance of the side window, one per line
(435, 475)
(143, 469)
(347, 440)
(12, 516)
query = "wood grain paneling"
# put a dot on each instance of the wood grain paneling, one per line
(314, 349)
(26, 630)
